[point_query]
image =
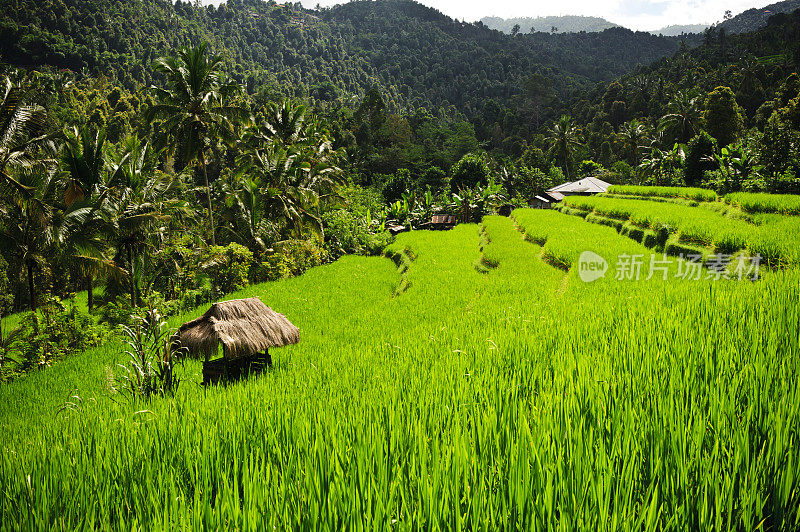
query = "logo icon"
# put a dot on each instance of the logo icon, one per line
(591, 266)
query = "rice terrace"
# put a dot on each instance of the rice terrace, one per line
(375, 266)
(511, 397)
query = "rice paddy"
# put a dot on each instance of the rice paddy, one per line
(718, 231)
(696, 194)
(495, 390)
(765, 203)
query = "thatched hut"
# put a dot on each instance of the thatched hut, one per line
(244, 327)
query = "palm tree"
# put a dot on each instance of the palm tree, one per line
(196, 107)
(288, 189)
(7, 342)
(82, 231)
(83, 162)
(634, 137)
(82, 235)
(564, 138)
(140, 203)
(28, 223)
(21, 133)
(286, 122)
(247, 214)
(291, 167)
(683, 117)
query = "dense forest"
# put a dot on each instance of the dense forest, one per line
(756, 18)
(167, 154)
(735, 95)
(413, 54)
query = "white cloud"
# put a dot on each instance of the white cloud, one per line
(639, 15)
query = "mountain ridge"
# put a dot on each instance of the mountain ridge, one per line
(747, 21)
(413, 54)
(551, 24)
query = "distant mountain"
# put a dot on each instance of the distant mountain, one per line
(566, 24)
(745, 22)
(756, 18)
(680, 29)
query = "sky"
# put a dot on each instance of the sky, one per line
(637, 15)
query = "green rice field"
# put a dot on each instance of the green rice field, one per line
(765, 203)
(775, 238)
(481, 385)
(689, 193)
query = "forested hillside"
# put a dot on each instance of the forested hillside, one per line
(413, 54)
(724, 114)
(757, 17)
(753, 65)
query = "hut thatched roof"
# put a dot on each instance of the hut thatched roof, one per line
(244, 326)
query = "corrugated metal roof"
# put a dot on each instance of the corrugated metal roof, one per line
(591, 185)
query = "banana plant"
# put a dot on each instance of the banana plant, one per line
(737, 163)
(399, 211)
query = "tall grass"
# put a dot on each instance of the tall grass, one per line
(517, 399)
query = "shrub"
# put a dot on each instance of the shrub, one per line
(527, 182)
(588, 168)
(470, 171)
(178, 264)
(351, 230)
(52, 334)
(435, 178)
(396, 185)
(347, 233)
(621, 172)
(534, 157)
(700, 148)
(227, 267)
(118, 311)
(784, 183)
(556, 175)
(344, 232)
(289, 258)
